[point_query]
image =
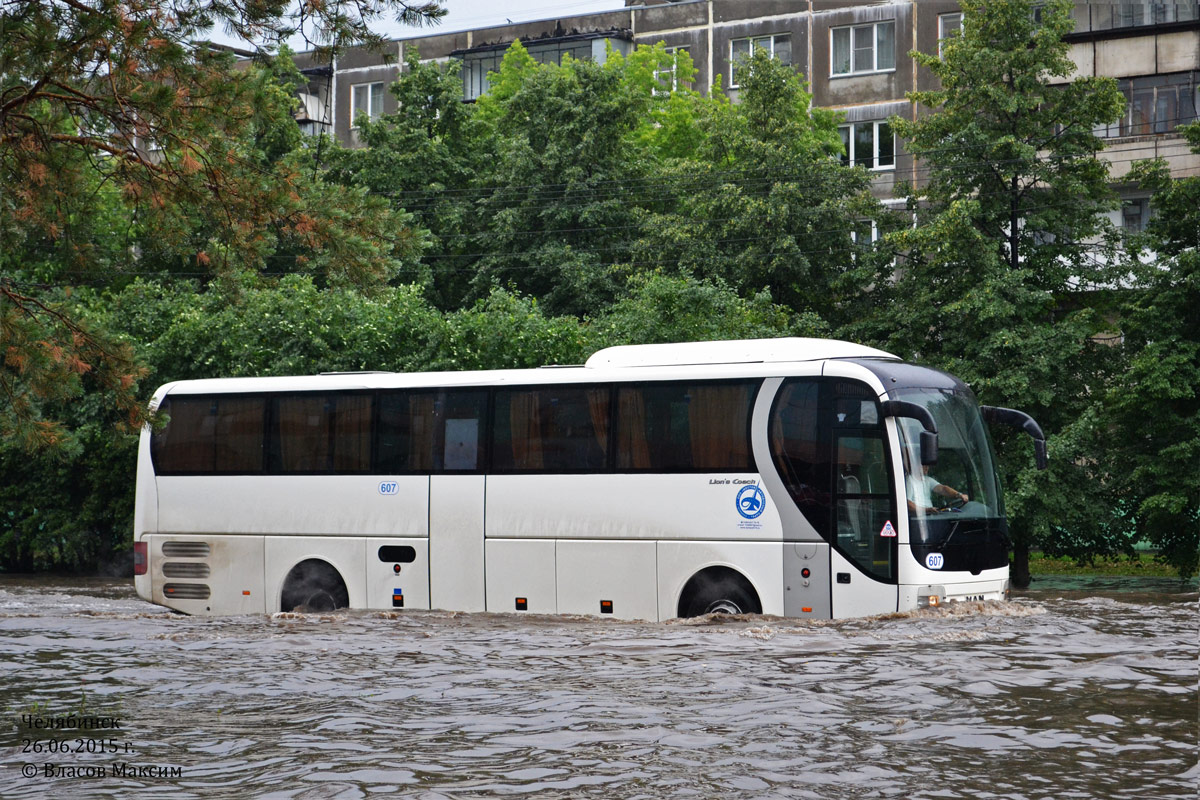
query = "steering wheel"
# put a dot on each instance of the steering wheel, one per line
(955, 505)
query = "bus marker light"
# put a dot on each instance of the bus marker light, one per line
(807, 609)
(396, 568)
(805, 572)
(245, 592)
(606, 606)
(522, 604)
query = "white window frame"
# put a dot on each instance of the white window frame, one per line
(943, 33)
(855, 159)
(371, 111)
(754, 43)
(853, 31)
(667, 78)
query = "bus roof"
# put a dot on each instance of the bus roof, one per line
(744, 358)
(737, 351)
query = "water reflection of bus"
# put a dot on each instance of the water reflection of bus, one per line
(655, 481)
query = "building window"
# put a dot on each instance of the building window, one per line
(863, 48)
(667, 74)
(868, 144)
(863, 234)
(366, 98)
(477, 65)
(1135, 213)
(1155, 104)
(554, 53)
(777, 46)
(475, 69)
(1136, 15)
(948, 25)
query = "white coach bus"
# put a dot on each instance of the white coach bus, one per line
(778, 476)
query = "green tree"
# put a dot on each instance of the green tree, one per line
(759, 200)
(1154, 405)
(562, 199)
(670, 308)
(997, 277)
(425, 159)
(101, 97)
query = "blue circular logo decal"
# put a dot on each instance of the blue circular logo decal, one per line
(751, 501)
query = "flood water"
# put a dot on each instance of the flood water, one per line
(1085, 692)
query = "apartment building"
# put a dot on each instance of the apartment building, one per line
(853, 55)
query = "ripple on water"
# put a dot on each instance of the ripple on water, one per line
(1052, 695)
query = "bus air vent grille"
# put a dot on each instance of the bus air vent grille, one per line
(185, 569)
(185, 549)
(186, 591)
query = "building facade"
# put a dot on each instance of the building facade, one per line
(854, 56)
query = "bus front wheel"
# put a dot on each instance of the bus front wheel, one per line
(314, 586)
(718, 590)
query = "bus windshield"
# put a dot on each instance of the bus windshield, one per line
(962, 485)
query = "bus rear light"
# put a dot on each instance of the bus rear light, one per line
(606, 607)
(807, 609)
(522, 604)
(140, 558)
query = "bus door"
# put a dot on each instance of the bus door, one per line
(827, 440)
(456, 499)
(864, 523)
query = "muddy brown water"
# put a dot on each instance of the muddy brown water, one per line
(1088, 690)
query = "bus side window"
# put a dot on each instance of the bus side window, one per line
(301, 442)
(679, 427)
(239, 433)
(559, 429)
(318, 432)
(458, 430)
(404, 433)
(187, 444)
(802, 449)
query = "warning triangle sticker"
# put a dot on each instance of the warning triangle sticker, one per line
(887, 530)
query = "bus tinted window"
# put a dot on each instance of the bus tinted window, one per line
(186, 443)
(352, 433)
(210, 435)
(318, 433)
(561, 429)
(458, 418)
(404, 440)
(239, 434)
(801, 447)
(685, 427)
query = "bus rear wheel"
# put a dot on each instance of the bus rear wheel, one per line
(314, 586)
(718, 590)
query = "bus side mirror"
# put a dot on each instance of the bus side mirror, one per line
(929, 448)
(1039, 453)
(1019, 419)
(929, 440)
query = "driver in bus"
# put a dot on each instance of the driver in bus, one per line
(922, 488)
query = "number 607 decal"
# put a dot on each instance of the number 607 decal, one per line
(389, 487)
(935, 560)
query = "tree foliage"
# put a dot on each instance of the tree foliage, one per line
(1154, 403)
(100, 98)
(171, 223)
(1003, 279)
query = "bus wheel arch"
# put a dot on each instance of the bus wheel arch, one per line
(718, 590)
(314, 585)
